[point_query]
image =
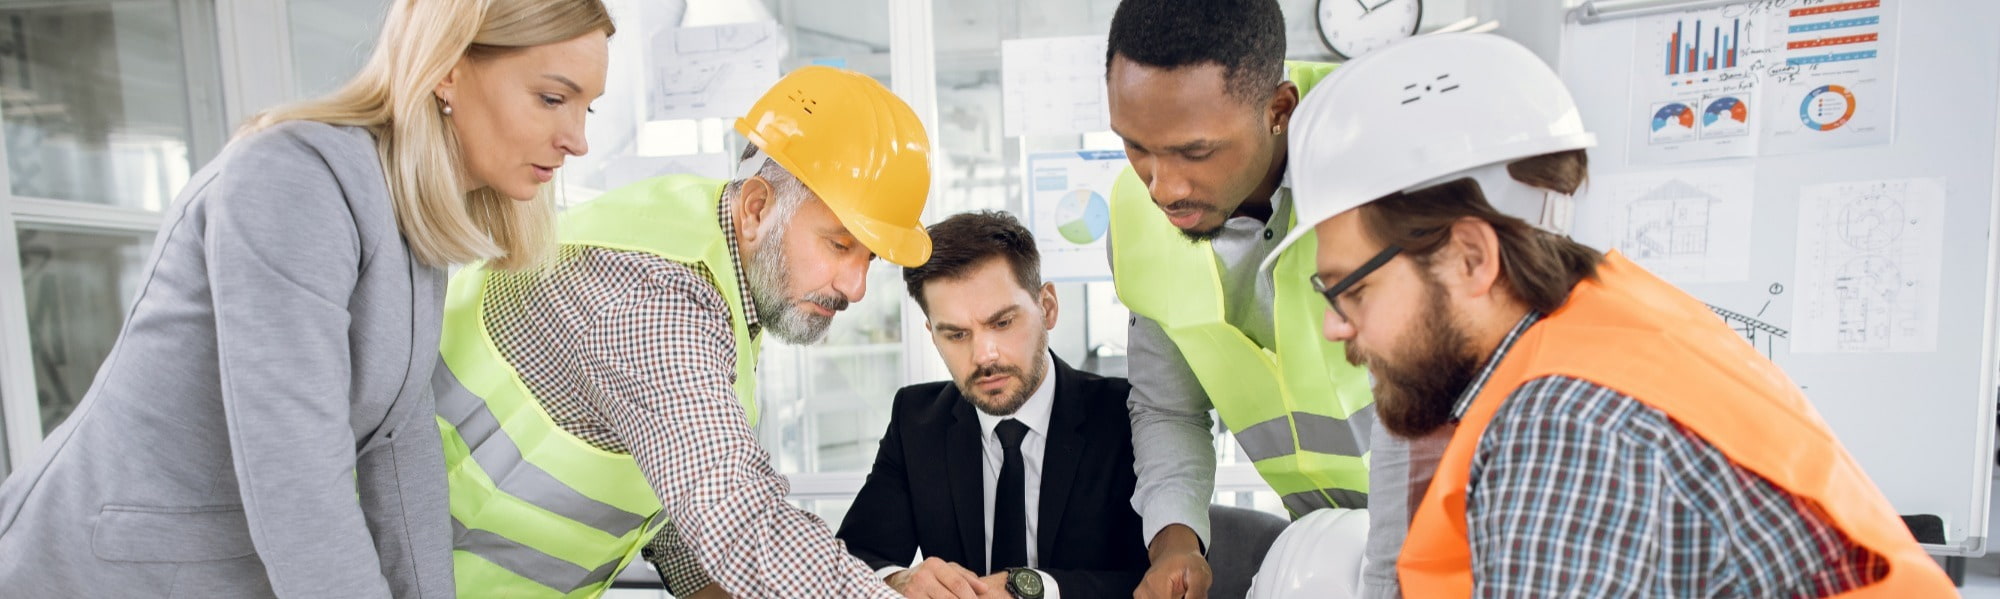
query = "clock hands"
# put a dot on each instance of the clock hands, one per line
(1366, 9)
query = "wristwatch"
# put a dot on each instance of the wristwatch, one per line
(1024, 583)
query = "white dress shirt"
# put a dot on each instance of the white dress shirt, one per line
(1035, 414)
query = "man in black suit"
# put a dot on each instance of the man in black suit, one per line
(1015, 478)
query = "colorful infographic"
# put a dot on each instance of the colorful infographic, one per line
(1751, 78)
(1083, 216)
(1673, 122)
(1827, 107)
(1725, 116)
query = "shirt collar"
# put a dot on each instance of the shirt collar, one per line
(1486, 372)
(727, 218)
(1035, 413)
(1281, 203)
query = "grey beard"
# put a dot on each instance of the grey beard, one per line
(781, 317)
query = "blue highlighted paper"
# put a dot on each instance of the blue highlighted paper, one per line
(1835, 57)
(1840, 24)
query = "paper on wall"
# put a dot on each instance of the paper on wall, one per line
(711, 72)
(1869, 258)
(1053, 86)
(1688, 226)
(1069, 211)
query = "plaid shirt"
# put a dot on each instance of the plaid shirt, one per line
(1577, 490)
(634, 353)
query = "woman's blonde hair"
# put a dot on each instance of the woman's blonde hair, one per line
(394, 97)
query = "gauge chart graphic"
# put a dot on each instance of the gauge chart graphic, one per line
(1673, 122)
(1725, 116)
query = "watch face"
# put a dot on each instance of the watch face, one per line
(1353, 27)
(1026, 582)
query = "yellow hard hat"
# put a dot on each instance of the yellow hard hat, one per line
(857, 146)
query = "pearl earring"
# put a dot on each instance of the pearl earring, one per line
(446, 110)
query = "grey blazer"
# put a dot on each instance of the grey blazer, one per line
(264, 424)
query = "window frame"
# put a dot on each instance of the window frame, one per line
(208, 129)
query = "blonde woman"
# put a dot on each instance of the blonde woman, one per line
(263, 426)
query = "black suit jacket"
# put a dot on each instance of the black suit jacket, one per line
(925, 490)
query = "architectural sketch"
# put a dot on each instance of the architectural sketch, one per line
(1671, 221)
(1053, 86)
(711, 72)
(1869, 254)
(1761, 335)
(1687, 225)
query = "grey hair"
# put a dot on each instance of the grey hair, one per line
(790, 192)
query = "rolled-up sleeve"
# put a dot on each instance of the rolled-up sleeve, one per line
(678, 567)
(662, 358)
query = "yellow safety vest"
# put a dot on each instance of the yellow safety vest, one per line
(1299, 410)
(537, 512)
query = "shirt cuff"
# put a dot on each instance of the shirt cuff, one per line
(1050, 590)
(883, 573)
(1164, 511)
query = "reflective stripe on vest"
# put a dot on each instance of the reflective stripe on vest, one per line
(1301, 412)
(1630, 331)
(537, 512)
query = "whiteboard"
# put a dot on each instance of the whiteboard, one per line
(1918, 416)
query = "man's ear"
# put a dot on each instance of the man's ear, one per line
(754, 201)
(1046, 297)
(1474, 257)
(1283, 102)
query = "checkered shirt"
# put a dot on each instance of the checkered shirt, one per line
(634, 353)
(1577, 490)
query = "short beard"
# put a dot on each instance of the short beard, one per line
(1416, 393)
(1012, 403)
(1200, 235)
(780, 314)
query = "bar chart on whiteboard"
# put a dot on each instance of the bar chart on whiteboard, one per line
(1695, 82)
(1763, 78)
(1686, 55)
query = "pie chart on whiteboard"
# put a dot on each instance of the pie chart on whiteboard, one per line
(1827, 107)
(1082, 216)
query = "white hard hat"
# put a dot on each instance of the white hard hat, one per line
(1319, 556)
(1428, 110)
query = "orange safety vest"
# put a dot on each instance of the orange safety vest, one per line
(1630, 331)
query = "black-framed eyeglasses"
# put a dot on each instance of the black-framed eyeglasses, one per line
(1336, 294)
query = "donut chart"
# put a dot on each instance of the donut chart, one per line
(1827, 107)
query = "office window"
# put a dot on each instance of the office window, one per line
(94, 100)
(331, 39)
(79, 284)
(107, 107)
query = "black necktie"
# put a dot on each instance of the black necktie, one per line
(1010, 512)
